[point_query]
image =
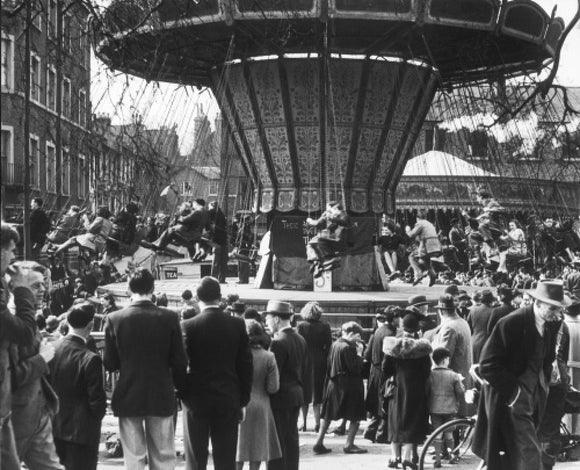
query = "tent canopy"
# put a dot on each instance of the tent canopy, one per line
(437, 163)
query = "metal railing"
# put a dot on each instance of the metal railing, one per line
(12, 173)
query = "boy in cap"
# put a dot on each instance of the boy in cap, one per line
(289, 348)
(445, 393)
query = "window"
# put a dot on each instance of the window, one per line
(37, 17)
(81, 177)
(478, 144)
(35, 77)
(85, 47)
(50, 165)
(440, 138)
(67, 33)
(66, 98)
(65, 172)
(83, 108)
(7, 154)
(7, 62)
(35, 161)
(51, 88)
(213, 187)
(429, 139)
(52, 18)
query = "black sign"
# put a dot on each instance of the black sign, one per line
(290, 236)
(170, 273)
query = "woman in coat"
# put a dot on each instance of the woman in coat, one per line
(257, 438)
(344, 394)
(318, 338)
(407, 361)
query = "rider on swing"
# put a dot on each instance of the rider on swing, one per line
(192, 221)
(322, 249)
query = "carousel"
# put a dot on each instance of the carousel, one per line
(324, 99)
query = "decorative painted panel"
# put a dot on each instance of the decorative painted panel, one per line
(239, 89)
(266, 80)
(344, 91)
(278, 142)
(377, 201)
(309, 200)
(380, 89)
(358, 201)
(308, 149)
(339, 140)
(304, 88)
(365, 158)
(410, 88)
(392, 143)
(267, 202)
(286, 200)
(258, 156)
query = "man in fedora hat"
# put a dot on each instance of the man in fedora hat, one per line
(419, 305)
(289, 348)
(218, 383)
(516, 364)
(237, 309)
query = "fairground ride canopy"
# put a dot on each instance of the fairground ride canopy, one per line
(325, 98)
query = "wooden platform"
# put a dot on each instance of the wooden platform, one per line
(339, 307)
(353, 302)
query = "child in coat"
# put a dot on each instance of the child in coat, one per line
(445, 392)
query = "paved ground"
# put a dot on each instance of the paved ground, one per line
(376, 458)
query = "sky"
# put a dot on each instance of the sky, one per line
(123, 97)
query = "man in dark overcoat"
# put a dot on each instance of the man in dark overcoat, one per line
(289, 348)
(144, 343)
(218, 383)
(516, 363)
(77, 377)
(375, 430)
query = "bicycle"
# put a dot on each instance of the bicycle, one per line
(462, 430)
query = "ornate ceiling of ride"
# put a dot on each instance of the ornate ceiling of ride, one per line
(303, 138)
(325, 97)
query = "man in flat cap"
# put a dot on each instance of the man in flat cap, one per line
(291, 357)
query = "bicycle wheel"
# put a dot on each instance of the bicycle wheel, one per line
(462, 430)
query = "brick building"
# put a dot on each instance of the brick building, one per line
(59, 104)
(132, 163)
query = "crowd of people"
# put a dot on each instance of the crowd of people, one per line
(487, 247)
(245, 379)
